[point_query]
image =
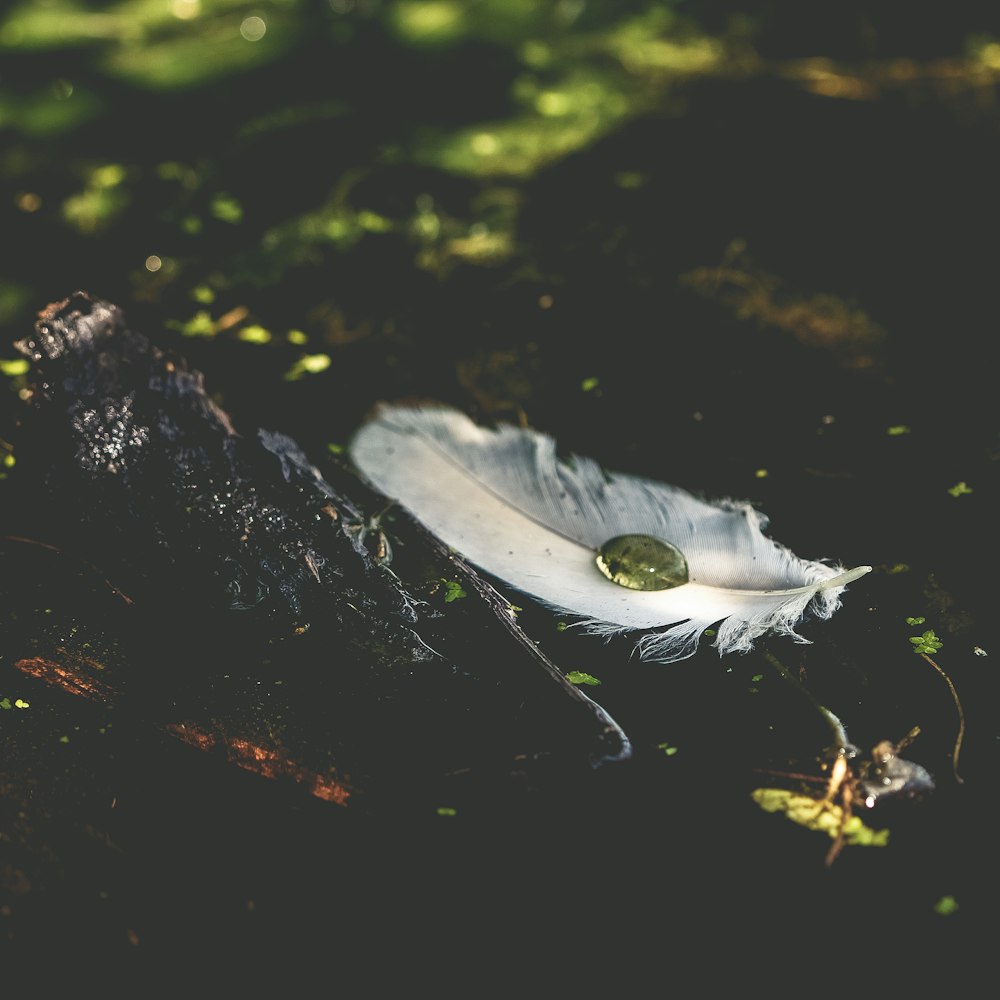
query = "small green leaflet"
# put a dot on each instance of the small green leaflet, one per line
(926, 643)
(452, 591)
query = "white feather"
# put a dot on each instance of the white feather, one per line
(504, 500)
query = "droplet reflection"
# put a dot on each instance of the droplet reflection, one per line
(641, 562)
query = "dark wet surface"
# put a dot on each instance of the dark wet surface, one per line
(785, 294)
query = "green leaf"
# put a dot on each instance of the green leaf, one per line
(818, 814)
(255, 334)
(227, 209)
(453, 591)
(959, 489)
(926, 643)
(579, 677)
(15, 366)
(667, 749)
(373, 222)
(5, 703)
(200, 324)
(446, 811)
(308, 364)
(946, 906)
(915, 621)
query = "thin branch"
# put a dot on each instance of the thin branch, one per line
(961, 719)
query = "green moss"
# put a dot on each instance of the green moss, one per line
(520, 146)
(60, 24)
(307, 364)
(452, 591)
(200, 324)
(15, 366)
(49, 111)
(184, 59)
(226, 208)
(816, 814)
(254, 334)
(158, 44)
(104, 197)
(93, 210)
(427, 22)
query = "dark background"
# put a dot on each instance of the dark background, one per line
(747, 248)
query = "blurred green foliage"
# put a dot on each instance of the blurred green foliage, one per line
(151, 123)
(209, 149)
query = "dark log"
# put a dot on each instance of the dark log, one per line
(136, 455)
(231, 543)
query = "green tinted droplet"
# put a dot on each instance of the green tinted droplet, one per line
(641, 562)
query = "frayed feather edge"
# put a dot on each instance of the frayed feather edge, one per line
(681, 640)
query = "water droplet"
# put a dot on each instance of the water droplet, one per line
(641, 562)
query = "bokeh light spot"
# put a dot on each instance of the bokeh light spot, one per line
(484, 143)
(28, 201)
(254, 334)
(253, 28)
(185, 9)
